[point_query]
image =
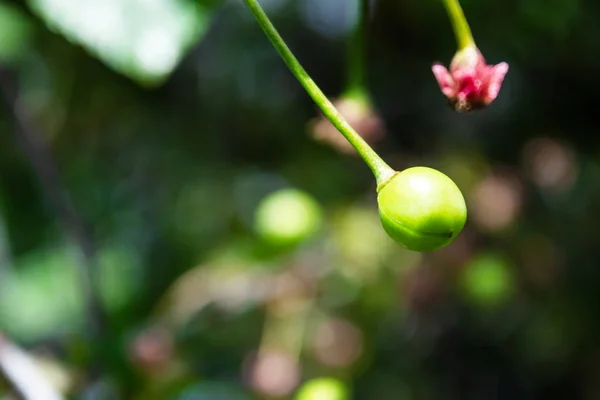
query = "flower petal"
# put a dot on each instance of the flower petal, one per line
(444, 79)
(496, 78)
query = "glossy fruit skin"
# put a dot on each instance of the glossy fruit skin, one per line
(422, 209)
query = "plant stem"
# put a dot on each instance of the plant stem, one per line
(357, 54)
(380, 169)
(462, 31)
(23, 375)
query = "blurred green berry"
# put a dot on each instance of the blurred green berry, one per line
(422, 209)
(487, 280)
(287, 217)
(323, 389)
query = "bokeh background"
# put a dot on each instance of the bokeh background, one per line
(140, 259)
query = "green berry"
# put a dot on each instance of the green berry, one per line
(287, 217)
(422, 209)
(323, 389)
(487, 280)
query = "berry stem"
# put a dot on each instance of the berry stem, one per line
(462, 31)
(380, 169)
(357, 54)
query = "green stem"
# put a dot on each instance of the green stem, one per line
(380, 169)
(357, 54)
(462, 31)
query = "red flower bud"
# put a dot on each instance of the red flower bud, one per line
(471, 83)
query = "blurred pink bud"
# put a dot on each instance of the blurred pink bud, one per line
(360, 115)
(152, 350)
(471, 83)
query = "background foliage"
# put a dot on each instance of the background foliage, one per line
(170, 121)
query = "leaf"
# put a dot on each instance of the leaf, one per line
(15, 33)
(142, 39)
(41, 296)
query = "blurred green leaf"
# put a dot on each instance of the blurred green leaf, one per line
(15, 33)
(212, 390)
(42, 296)
(143, 39)
(119, 278)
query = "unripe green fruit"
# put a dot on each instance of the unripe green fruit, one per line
(422, 209)
(487, 280)
(287, 217)
(323, 389)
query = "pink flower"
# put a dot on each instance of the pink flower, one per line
(471, 83)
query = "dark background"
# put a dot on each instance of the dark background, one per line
(164, 176)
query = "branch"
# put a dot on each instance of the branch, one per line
(23, 375)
